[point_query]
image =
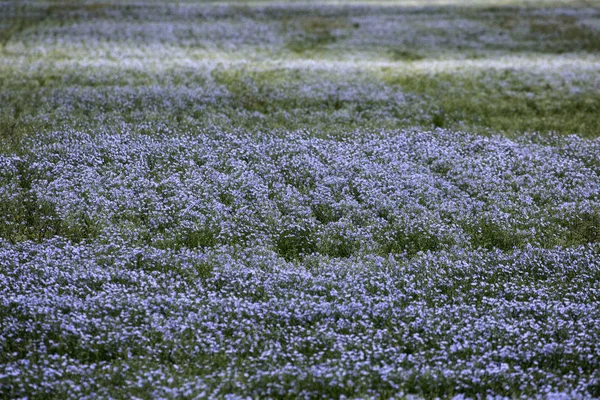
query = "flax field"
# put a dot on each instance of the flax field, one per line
(299, 199)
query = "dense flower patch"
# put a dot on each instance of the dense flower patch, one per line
(207, 263)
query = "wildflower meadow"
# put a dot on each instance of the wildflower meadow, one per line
(299, 199)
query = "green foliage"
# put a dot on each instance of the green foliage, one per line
(500, 101)
(294, 243)
(490, 235)
(202, 237)
(315, 33)
(13, 128)
(244, 90)
(559, 33)
(29, 218)
(401, 240)
(325, 213)
(26, 216)
(337, 245)
(583, 228)
(402, 54)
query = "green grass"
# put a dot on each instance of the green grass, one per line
(503, 101)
